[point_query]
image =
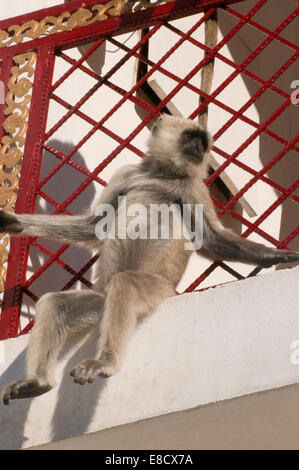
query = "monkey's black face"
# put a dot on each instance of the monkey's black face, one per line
(193, 144)
(179, 141)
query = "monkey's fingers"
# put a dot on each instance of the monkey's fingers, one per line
(280, 257)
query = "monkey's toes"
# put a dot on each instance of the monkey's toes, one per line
(9, 223)
(89, 369)
(25, 388)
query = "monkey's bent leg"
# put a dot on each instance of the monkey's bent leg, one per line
(224, 244)
(70, 229)
(57, 315)
(131, 295)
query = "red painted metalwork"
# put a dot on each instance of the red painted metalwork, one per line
(16, 270)
(48, 47)
(114, 25)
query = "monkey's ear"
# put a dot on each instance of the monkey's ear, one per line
(193, 144)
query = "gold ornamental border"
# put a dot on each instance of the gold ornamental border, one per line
(15, 125)
(68, 21)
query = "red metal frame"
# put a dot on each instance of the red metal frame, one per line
(49, 46)
(114, 25)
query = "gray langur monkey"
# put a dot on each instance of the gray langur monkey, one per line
(133, 275)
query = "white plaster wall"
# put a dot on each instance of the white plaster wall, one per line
(196, 349)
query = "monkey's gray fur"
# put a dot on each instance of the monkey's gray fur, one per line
(133, 276)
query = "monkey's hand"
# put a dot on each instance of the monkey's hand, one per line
(9, 223)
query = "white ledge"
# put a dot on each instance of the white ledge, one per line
(197, 348)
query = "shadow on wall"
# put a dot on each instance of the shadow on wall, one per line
(12, 432)
(68, 414)
(265, 65)
(78, 413)
(59, 187)
(74, 406)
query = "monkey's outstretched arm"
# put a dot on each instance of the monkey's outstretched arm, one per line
(79, 229)
(226, 245)
(222, 244)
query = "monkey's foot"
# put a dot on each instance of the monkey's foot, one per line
(89, 369)
(25, 388)
(9, 223)
(279, 256)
